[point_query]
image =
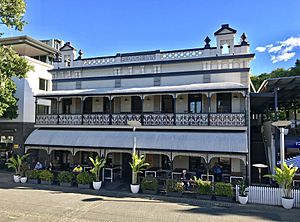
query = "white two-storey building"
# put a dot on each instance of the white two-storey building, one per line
(193, 106)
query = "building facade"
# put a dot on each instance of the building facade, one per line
(13, 133)
(193, 106)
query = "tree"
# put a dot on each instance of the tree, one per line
(11, 64)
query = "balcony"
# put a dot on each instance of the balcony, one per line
(148, 119)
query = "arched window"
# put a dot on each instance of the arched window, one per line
(225, 49)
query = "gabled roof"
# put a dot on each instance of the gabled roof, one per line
(225, 27)
(67, 46)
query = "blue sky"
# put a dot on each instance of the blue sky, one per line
(103, 27)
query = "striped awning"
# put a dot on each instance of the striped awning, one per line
(206, 141)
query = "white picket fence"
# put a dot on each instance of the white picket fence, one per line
(268, 195)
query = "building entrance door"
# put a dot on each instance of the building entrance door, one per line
(126, 159)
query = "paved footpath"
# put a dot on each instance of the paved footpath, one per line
(51, 203)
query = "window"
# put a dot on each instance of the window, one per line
(41, 109)
(43, 84)
(106, 105)
(67, 106)
(88, 105)
(224, 103)
(167, 104)
(195, 103)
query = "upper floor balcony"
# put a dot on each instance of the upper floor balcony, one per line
(219, 108)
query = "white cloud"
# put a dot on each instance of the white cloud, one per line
(260, 49)
(283, 50)
(283, 57)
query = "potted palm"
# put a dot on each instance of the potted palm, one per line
(16, 164)
(243, 197)
(284, 178)
(24, 169)
(138, 164)
(98, 164)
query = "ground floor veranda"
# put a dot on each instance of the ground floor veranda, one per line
(163, 164)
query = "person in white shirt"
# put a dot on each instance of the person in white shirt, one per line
(38, 166)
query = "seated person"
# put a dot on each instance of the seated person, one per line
(77, 169)
(185, 177)
(38, 166)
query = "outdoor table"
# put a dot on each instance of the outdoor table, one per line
(296, 183)
(111, 173)
(210, 177)
(177, 171)
(152, 170)
(87, 168)
(259, 166)
(162, 172)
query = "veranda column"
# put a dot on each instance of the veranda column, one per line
(209, 106)
(81, 108)
(142, 114)
(110, 110)
(174, 107)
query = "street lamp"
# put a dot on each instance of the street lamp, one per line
(134, 124)
(281, 125)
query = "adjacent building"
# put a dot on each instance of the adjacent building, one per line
(193, 106)
(13, 133)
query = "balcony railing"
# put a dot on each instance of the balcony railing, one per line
(147, 119)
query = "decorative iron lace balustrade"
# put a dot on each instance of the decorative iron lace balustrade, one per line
(192, 119)
(227, 119)
(166, 119)
(181, 54)
(99, 61)
(46, 119)
(70, 119)
(122, 119)
(96, 119)
(158, 119)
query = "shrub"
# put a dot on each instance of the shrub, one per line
(46, 175)
(65, 177)
(223, 189)
(33, 174)
(84, 178)
(149, 184)
(203, 187)
(174, 186)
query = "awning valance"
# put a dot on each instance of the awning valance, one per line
(212, 141)
(226, 86)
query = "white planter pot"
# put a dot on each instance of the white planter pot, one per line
(17, 178)
(23, 179)
(287, 203)
(134, 188)
(243, 199)
(97, 185)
